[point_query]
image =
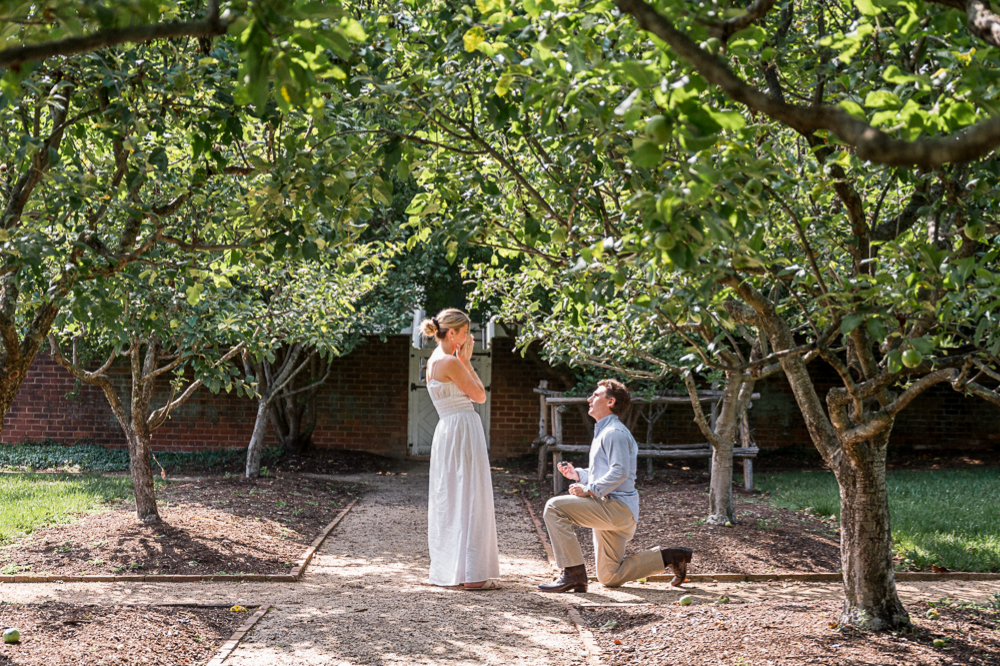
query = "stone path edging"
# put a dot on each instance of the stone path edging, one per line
(758, 578)
(237, 636)
(303, 562)
(587, 636)
(295, 575)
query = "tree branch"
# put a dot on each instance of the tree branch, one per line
(983, 22)
(870, 143)
(159, 416)
(210, 26)
(754, 12)
(881, 419)
(699, 414)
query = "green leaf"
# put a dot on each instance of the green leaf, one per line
(503, 85)
(194, 293)
(728, 120)
(646, 155)
(960, 114)
(473, 39)
(882, 99)
(893, 74)
(876, 329)
(923, 344)
(866, 7)
(850, 322)
(352, 29)
(854, 109)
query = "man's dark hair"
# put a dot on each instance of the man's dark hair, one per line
(615, 389)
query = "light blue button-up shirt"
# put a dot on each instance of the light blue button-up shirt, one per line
(612, 464)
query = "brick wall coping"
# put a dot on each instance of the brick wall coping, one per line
(295, 575)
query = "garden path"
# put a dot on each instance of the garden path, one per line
(365, 600)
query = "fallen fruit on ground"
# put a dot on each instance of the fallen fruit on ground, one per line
(686, 600)
(729, 523)
(11, 635)
(939, 643)
(723, 600)
(933, 614)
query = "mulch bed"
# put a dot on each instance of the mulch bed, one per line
(784, 632)
(672, 510)
(58, 633)
(338, 462)
(213, 526)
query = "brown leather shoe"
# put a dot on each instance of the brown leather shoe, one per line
(573, 579)
(677, 559)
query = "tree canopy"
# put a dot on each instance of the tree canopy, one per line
(660, 183)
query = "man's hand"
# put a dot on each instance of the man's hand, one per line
(579, 490)
(567, 470)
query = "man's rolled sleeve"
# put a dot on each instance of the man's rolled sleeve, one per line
(584, 475)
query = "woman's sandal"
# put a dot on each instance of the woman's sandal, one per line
(489, 584)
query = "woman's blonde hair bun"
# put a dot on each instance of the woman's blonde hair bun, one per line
(438, 325)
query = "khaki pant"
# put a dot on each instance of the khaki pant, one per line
(613, 527)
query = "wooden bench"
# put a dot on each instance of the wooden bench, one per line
(550, 434)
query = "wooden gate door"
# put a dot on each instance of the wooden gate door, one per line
(423, 417)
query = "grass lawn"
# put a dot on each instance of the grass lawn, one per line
(949, 518)
(30, 501)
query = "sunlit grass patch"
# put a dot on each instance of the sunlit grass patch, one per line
(30, 501)
(948, 518)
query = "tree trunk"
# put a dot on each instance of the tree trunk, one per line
(256, 446)
(720, 489)
(11, 378)
(286, 416)
(866, 540)
(722, 435)
(293, 412)
(140, 450)
(735, 400)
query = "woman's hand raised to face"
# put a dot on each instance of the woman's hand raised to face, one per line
(464, 352)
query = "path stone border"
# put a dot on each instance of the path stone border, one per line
(293, 576)
(234, 640)
(586, 635)
(760, 578)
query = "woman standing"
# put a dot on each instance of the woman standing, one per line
(461, 527)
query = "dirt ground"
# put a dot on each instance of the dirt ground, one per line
(672, 511)
(750, 634)
(56, 633)
(365, 600)
(211, 526)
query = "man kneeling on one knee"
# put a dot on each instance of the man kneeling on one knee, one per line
(604, 499)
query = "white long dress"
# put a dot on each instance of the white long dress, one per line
(461, 526)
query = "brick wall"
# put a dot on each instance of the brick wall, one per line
(513, 403)
(938, 418)
(364, 406)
